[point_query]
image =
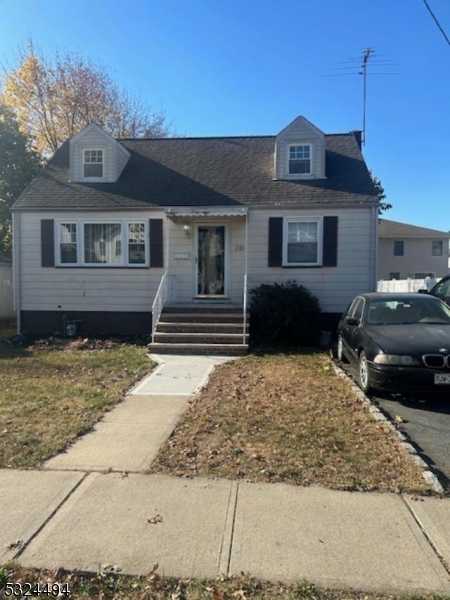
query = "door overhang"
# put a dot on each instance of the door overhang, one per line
(207, 211)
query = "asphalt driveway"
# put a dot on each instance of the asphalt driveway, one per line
(425, 420)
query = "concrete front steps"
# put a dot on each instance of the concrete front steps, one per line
(201, 329)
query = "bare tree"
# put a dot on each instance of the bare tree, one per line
(55, 98)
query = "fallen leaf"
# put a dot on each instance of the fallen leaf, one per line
(107, 568)
(154, 520)
(216, 594)
(14, 545)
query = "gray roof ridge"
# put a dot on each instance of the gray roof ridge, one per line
(201, 137)
(215, 137)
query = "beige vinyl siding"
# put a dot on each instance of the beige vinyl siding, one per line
(334, 286)
(133, 289)
(417, 257)
(300, 132)
(73, 288)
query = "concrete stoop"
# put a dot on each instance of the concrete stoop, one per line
(201, 329)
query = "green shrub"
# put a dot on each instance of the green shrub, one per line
(284, 314)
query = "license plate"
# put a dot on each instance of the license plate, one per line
(442, 379)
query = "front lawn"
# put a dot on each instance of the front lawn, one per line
(289, 418)
(52, 392)
(155, 587)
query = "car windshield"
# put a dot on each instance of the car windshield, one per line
(404, 311)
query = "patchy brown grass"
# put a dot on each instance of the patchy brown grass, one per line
(287, 418)
(109, 586)
(54, 391)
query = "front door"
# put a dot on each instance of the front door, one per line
(211, 260)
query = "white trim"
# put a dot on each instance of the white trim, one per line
(299, 219)
(226, 273)
(80, 223)
(309, 175)
(103, 163)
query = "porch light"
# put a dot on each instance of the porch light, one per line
(187, 229)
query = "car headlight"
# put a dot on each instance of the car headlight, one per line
(403, 360)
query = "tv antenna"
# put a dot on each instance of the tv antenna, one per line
(363, 72)
(362, 61)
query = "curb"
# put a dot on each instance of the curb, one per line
(428, 475)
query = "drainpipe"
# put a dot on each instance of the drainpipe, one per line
(374, 247)
(245, 279)
(246, 246)
(16, 268)
(169, 288)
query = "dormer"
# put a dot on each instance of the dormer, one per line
(96, 157)
(300, 151)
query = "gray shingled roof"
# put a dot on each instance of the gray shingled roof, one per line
(204, 172)
(393, 229)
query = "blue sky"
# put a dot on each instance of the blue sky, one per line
(247, 67)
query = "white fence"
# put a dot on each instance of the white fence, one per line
(6, 292)
(405, 285)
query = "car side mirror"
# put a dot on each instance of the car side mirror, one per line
(351, 321)
(423, 291)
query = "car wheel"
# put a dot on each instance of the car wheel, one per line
(340, 350)
(363, 373)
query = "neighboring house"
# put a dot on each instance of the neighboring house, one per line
(112, 230)
(406, 251)
(6, 288)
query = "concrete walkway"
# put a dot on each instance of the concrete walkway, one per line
(72, 515)
(129, 436)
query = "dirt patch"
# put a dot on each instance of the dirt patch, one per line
(287, 418)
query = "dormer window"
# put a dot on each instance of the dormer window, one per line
(93, 164)
(299, 160)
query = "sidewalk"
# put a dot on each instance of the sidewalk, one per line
(72, 515)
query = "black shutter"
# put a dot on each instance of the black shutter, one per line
(275, 241)
(156, 243)
(47, 243)
(330, 241)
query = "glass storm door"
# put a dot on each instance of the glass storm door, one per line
(211, 260)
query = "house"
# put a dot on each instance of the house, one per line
(6, 288)
(115, 231)
(407, 251)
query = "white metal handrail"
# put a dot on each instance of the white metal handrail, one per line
(245, 310)
(158, 303)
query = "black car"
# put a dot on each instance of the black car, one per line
(441, 289)
(397, 342)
